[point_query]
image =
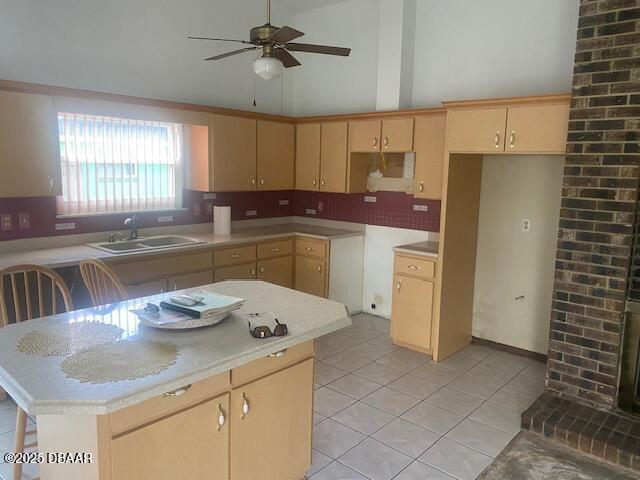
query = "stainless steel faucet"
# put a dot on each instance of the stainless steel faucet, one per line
(132, 223)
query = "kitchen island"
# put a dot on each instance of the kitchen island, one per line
(209, 403)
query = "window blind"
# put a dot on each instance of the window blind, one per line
(114, 164)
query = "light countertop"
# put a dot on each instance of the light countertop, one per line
(69, 255)
(39, 386)
(427, 249)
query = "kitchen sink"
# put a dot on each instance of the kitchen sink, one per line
(144, 244)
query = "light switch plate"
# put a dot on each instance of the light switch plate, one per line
(6, 221)
(310, 211)
(370, 199)
(283, 202)
(420, 208)
(24, 220)
(251, 213)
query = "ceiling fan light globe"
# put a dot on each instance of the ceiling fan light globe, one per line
(267, 67)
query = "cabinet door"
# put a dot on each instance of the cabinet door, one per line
(272, 441)
(275, 155)
(311, 276)
(308, 156)
(245, 271)
(397, 135)
(277, 270)
(29, 156)
(429, 140)
(410, 318)
(185, 445)
(365, 135)
(233, 149)
(537, 129)
(476, 131)
(190, 280)
(333, 157)
(144, 289)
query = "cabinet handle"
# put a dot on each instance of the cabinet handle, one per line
(177, 392)
(261, 269)
(512, 138)
(399, 284)
(421, 188)
(324, 182)
(253, 271)
(253, 180)
(386, 142)
(277, 354)
(320, 268)
(497, 139)
(413, 267)
(235, 255)
(221, 418)
(51, 184)
(261, 180)
(315, 182)
(309, 249)
(375, 141)
(275, 249)
(245, 406)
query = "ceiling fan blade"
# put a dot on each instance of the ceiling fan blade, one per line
(285, 34)
(218, 39)
(234, 52)
(324, 49)
(286, 58)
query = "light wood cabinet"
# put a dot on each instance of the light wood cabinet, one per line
(479, 130)
(397, 135)
(275, 157)
(276, 270)
(430, 134)
(364, 135)
(190, 444)
(311, 275)
(308, 156)
(29, 152)
(246, 271)
(537, 129)
(272, 438)
(333, 157)
(411, 312)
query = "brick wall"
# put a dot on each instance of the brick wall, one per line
(598, 204)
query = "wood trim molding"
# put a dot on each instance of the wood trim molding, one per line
(509, 101)
(36, 88)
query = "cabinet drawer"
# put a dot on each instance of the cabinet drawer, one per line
(275, 249)
(245, 271)
(135, 272)
(158, 407)
(418, 267)
(313, 248)
(263, 366)
(229, 256)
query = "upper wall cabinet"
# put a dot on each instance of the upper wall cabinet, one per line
(276, 144)
(518, 128)
(29, 156)
(223, 155)
(430, 132)
(476, 130)
(537, 129)
(393, 135)
(333, 157)
(308, 156)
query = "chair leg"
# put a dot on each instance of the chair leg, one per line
(18, 446)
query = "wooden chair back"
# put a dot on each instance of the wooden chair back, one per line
(104, 286)
(31, 291)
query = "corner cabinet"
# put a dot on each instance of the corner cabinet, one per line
(29, 154)
(271, 426)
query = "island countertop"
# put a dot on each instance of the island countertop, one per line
(40, 387)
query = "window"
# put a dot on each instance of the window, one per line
(114, 165)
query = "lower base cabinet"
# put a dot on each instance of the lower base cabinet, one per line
(188, 444)
(311, 275)
(245, 271)
(277, 270)
(271, 426)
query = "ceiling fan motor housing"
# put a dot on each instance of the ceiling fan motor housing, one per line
(262, 34)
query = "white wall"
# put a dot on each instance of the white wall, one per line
(378, 264)
(511, 263)
(492, 48)
(138, 48)
(328, 84)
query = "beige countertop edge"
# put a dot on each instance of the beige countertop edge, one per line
(41, 256)
(69, 407)
(415, 251)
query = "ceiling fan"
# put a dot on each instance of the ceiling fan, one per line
(275, 43)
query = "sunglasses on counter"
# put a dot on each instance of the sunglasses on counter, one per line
(263, 331)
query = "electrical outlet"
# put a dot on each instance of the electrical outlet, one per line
(209, 196)
(197, 209)
(420, 208)
(66, 226)
(310, 211)
(24, 220)
(251, 213)
(370, 199)
(526, 224)
(6, 221)
(209, 207)
(320, 206)
(165, 219)
(283, 202)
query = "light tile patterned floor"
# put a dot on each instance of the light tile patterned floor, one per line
(384, 412)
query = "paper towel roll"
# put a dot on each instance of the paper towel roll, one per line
(222, 220)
